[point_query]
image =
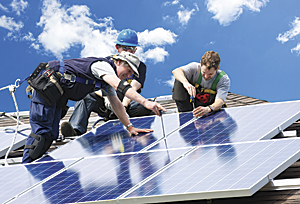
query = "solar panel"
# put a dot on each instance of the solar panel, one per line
(164, 176)
(238, 124)
(230, 170)
(231, 125)
(225, 154)
(96, 142)
(19, 179)
(7, 135)
(99, 178)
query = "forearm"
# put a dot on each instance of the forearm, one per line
(119, 110)
(135, 85)
(133, 95)
(217, 105)
(179, 75)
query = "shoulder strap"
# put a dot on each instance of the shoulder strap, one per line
(200, 78)
(217, 79)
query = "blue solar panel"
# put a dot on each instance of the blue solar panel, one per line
(7, 135)
(100, 178)
(225, 154)
(204, 172)
(113, 133)
(231, 125)
(17, 179)
(226, 170)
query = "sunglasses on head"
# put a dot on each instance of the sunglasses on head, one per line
(126, 48)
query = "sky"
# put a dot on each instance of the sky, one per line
(258, 40)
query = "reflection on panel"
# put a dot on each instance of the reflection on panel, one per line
(101, 178)
(227, 169)
(112, 138)
(16, 179)
(232, 125)
(224, 155)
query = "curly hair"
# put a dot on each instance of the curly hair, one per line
(210, 59)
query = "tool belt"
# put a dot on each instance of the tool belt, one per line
(204, 97)
(46, 82)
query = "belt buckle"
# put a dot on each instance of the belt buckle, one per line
(73, 78)
(70, 77)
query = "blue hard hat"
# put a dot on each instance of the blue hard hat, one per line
(127, 37)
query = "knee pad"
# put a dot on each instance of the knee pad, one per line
(39, 146)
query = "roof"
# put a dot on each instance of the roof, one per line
(288, 193)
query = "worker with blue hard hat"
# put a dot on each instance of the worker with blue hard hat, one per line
(127, 37)
(127, 40)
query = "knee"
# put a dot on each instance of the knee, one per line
(36, 146)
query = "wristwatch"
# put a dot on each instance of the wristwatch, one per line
(130, 124)
(211, 109)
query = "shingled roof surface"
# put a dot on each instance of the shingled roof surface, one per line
(292, 195)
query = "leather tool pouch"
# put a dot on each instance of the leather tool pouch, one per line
(46, 82)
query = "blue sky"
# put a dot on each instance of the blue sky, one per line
(257, 40)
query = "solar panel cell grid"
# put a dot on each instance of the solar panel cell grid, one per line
(100, 178)
(209, 170)
(220, 155)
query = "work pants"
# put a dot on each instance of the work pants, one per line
(44, 121)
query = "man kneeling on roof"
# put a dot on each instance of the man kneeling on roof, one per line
(201, 87)
(73, 79)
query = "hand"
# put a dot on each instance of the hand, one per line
(190, 89)
(154, 106)
(135, 131)
(200, 111)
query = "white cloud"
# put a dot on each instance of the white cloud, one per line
(291, 34)
(18, 6)
(170, 82)
(296, 49)
(157, 54)
(168, 3)
(28, 37)
(64, 28)
(156, 37)
(184, 16)
(3, 8)
(10, 24)
(230, 10)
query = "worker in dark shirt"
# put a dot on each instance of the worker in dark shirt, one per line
(77, 77)
(95, 102)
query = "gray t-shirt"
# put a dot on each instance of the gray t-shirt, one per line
(192, 72)
(99, 69)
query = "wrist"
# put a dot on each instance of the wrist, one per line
(129, 126)
(211, 108)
